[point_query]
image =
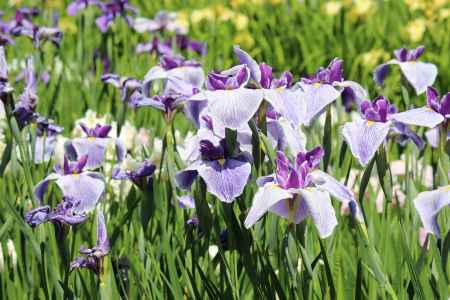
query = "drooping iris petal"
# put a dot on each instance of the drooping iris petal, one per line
(95, 149)
(290, 103)
(186, 178)
(44, 148)
(285, 136)
(225, 181)
(428, 204)
(85, 189)
(338, 190)
(186, 201)
(42, 186)
(419, 74)
(266, 197)
(358, 92)
(246, 59)
(422, 116)
(233, 108)
(294, 209)
(320, 209)
(364, 138)
(317, 97)
(433, 137)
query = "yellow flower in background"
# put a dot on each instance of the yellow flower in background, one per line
(54, 4)
(415, 4)
(199, 15)
(15, 2)
(444, 14)
(225, 14)
(361, 8)
(67, 25)
(244, 39)
(372, 58)
(240, 21)
(182, 19)
(416, 29)
(332, 8)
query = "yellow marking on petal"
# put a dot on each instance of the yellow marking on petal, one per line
(370, 123)
(221, 161)
(279, 89)
(274, 186)
(446, 188)
(429, 109)
(91, 138)
(317, 84)
(76, 175)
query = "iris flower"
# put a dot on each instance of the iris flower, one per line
(5, 87)
(429, 204)
(93, 257)
(94, 145)
(25, 109)
(137, 172)
(46, 135)
(225, 174)
(81, 187)
(419, 74)
(163, 21)
(112, 10)
(297, 190)
(365, 135)
(78, 5)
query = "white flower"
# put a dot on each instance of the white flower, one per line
(12, 252)
(128, 135)
(212, 251)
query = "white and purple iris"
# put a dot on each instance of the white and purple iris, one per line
(225, 174)
(82, 187)
(365, 135)
(297, 190)
(419, 74)
(94, 145)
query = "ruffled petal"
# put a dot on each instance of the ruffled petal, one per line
(422, 116)
(226, 181)
(94, 148)
(317, 97)
(364, 138)
(246, 59)
(84, 190)
(428, 205)
(320, 209)
(290, 103)
(266, 197)
(284, 136)
(419, 74)
(42, 186)
(325, 182)
(233, 108)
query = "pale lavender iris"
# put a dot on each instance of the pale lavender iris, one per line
(25, 109)
(365, 135)
(93, 257)
(429, 204)
(225, 174)
(130, 88)
(78, 5)
(46, 136)
(163, 21)
(94, 145)
(297, 190)
(82, 188)
(5, 87)
(322, 89)
(419, 74)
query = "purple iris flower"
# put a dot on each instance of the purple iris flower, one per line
(129, 87)
(155, 46)
(24, 109)
(81, 188)
(229, 102)
(419, 74)
(137, 172)
(365, 135)
(78, 5)
(46, 135)
(404, 134)
(323, 88)
(429, 204)
(93, 257)
(297, 190)
(94, 145)
(225, 174)
(113, 10)
(184, 42)
(163, 20)
(22, 20)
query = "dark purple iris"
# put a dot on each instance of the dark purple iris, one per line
(442, 106)
(268, 82)
(328, 75)
(183, 42)
(71, 167)
(156, 46)
(169, 62)
(295, 176)
(378, 110)
(229, 79)
(210, 152)
(100, 131)
(113, 10)
(404, 54)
